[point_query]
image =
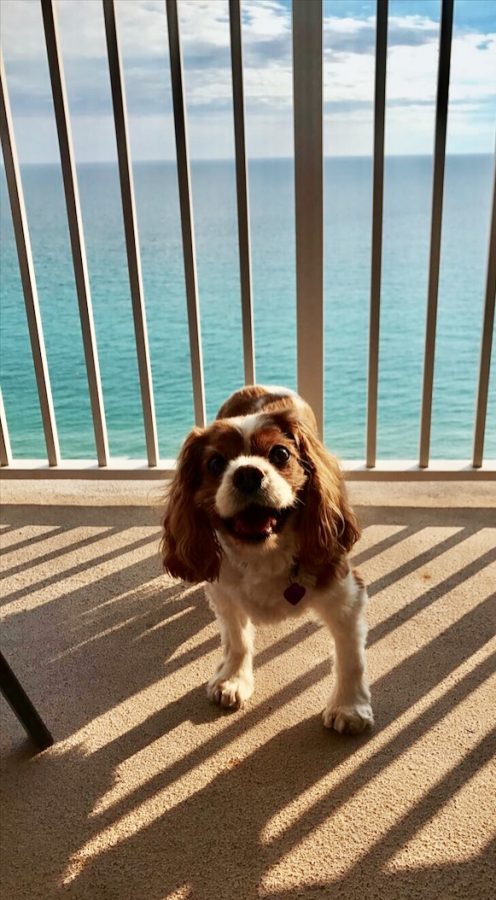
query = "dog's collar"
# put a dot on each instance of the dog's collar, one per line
(294, 591)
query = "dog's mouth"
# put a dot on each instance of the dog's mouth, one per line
(256, 523)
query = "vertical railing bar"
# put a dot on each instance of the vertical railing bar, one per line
(183, 176)
(377, 209)
(436, 225)
(131, 231)
(26, 267)
(242, 189)
(487, 339)
(69, 175)
(5, 449)
(308, 116)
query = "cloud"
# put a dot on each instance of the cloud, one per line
(348, 34)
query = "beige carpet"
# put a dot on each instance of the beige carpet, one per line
(150, 792)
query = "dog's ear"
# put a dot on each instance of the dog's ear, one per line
(328, 526)
(189, 547)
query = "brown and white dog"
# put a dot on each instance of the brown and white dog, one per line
(258, 509)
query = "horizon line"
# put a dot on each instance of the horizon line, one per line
(221, 159)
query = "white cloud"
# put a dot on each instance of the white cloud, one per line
(346, 25)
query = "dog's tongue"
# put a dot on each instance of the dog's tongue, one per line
(254, 521)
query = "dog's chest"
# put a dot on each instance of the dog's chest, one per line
(264, 595)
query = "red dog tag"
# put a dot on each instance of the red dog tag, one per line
(294, 593)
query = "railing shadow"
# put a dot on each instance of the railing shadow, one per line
(470, 878)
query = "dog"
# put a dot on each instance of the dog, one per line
(258, 509)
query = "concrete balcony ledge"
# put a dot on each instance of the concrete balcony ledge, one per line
(149, 493)
(150, 791)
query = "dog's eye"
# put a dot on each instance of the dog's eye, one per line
(279, 455)
(216, 464)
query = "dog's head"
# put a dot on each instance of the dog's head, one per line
(244, 482)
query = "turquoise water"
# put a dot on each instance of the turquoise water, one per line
(347, 278)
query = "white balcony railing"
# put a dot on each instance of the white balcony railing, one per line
(308, 143)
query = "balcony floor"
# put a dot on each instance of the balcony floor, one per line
(151, 792)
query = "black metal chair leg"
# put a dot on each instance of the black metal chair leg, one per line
(21, 704)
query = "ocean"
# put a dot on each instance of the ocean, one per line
(348, 200)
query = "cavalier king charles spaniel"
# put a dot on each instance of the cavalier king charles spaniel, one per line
(258, 509)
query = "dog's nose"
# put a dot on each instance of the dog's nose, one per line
(248, 479)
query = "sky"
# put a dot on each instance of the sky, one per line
(349, 36)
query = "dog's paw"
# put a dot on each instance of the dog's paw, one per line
(230, 693)
(351, 719)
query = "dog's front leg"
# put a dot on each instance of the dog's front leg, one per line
(348, 709)
(232, 683)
